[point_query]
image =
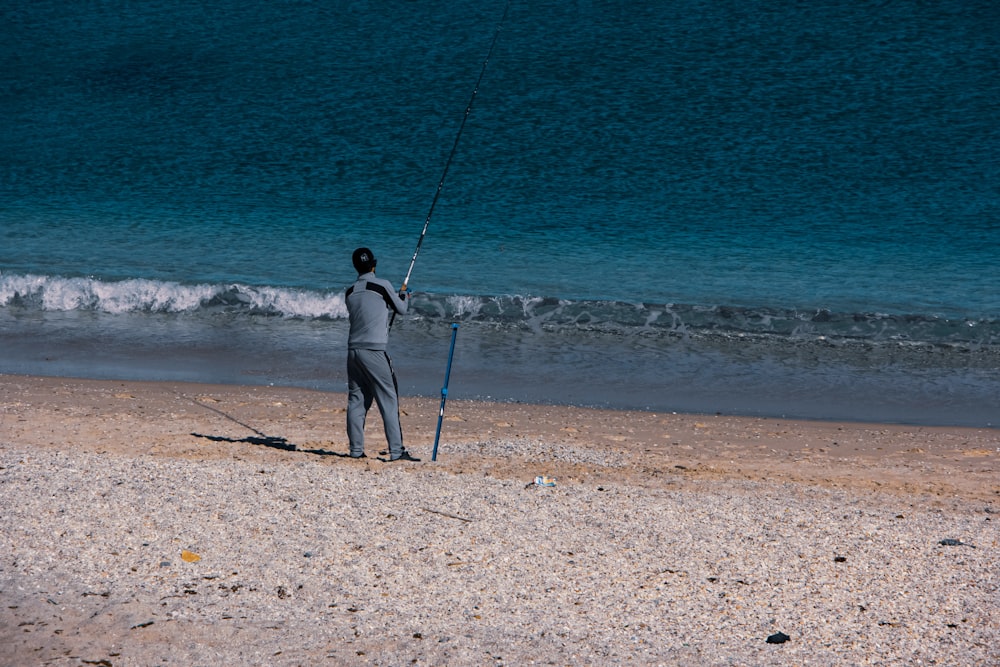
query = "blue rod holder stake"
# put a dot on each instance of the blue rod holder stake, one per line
(444, 391)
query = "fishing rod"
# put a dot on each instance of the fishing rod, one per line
(458, 136)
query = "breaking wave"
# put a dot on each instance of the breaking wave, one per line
(529, 313)
(153, 296)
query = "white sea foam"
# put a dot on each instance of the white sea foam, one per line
(294, 302)
(538, 314)
(57, 293)
(461, 305)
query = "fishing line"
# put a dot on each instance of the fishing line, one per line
(454, 147)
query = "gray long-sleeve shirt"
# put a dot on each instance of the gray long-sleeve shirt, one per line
(369, 301)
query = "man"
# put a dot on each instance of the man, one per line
(369, 369)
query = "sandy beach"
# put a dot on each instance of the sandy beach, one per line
(162, 523)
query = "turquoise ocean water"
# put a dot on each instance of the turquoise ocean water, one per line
(777, 209)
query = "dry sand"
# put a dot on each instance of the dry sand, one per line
(161, 523)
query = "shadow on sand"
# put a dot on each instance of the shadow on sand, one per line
(275, 442)
(261, 439)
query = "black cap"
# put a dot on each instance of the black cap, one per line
(364, 260)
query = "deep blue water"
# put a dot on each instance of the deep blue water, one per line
(753, 207)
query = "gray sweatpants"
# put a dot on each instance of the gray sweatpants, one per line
(370, 377)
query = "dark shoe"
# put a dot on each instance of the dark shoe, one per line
(359, 456)
(405, 456)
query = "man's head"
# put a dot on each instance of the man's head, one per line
(364, 260)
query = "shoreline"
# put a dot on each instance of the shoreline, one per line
(160, 522)
(790, 378)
